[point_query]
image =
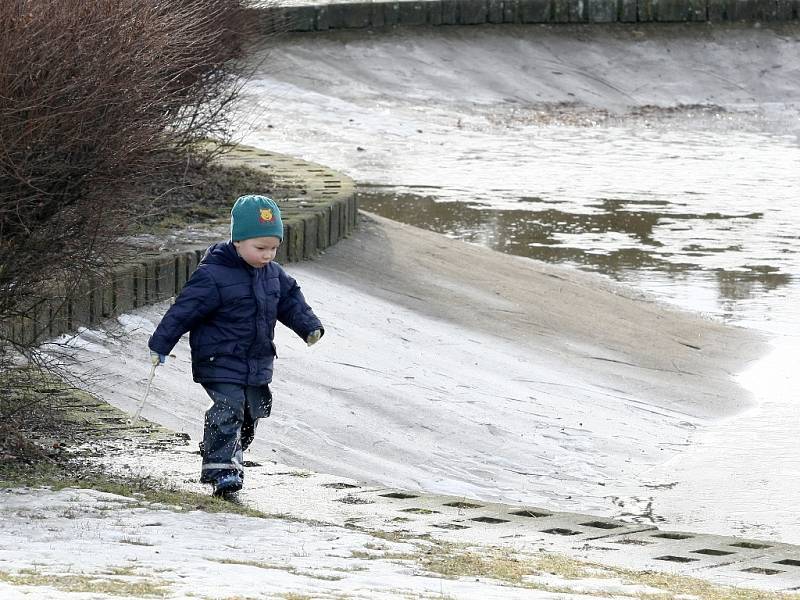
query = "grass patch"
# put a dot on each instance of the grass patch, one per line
(134, 541)
(87, 584)
(677, 585)
(568, 568)
(383, 556)
(146, 491)
(454, 561)
(152, 492)
(252, 563)
(195, 192)
(302, 474)
(277, 567)
(43, 410)
(352, 569)
(420, 511)
(396, 536)
(126, 571)
(496, 564)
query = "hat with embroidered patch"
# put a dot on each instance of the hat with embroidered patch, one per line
(255, 216)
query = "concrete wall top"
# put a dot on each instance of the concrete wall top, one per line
(322, 212)
(309, 15)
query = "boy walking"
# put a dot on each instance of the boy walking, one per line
(230, 306)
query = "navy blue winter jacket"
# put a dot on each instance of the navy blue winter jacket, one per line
(231, 308)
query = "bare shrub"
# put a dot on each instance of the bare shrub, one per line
(94, 98)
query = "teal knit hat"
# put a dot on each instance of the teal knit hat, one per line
(255, 216)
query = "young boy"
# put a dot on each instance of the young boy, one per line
(230, 306)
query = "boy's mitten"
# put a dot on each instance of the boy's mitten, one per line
(157, 359)
(313, 337)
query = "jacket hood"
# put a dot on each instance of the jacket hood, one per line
(223, 253)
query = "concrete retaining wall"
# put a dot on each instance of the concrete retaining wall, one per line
(324, 212)
(367, 15)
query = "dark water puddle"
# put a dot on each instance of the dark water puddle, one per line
(617, 238)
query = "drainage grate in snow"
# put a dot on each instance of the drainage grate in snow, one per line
(712, 552)
(463, 505)
(561, 531)
(530, 513)
(349, 499)
(600, 525)
(762, 571)
(673, 536)
(750, 545)
(450, 526)
(489, 520)
(771, 565)
(678, 559)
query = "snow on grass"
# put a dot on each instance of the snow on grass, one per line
(88, 542)
(82, 543)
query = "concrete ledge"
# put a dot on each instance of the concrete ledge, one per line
(324, 16)
(323, 212)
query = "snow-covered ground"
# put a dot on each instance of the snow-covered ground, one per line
(81, 544)
(449, 368)
(446, 367)
(84, 544)
(664, 156)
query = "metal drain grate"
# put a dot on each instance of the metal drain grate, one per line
(530, 513)
(600, 525)
(677, 559)
(450, 526)
(561, 531)
(492, 520)
(712, 552)
(762, 571)
(463, 505)
(673, 536)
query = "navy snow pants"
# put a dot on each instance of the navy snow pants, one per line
(230, 426)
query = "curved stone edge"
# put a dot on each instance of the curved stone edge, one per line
(324, 211)
(381, 14)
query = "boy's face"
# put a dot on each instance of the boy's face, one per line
(257, 252)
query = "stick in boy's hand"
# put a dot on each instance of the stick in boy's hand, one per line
(135, 420)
